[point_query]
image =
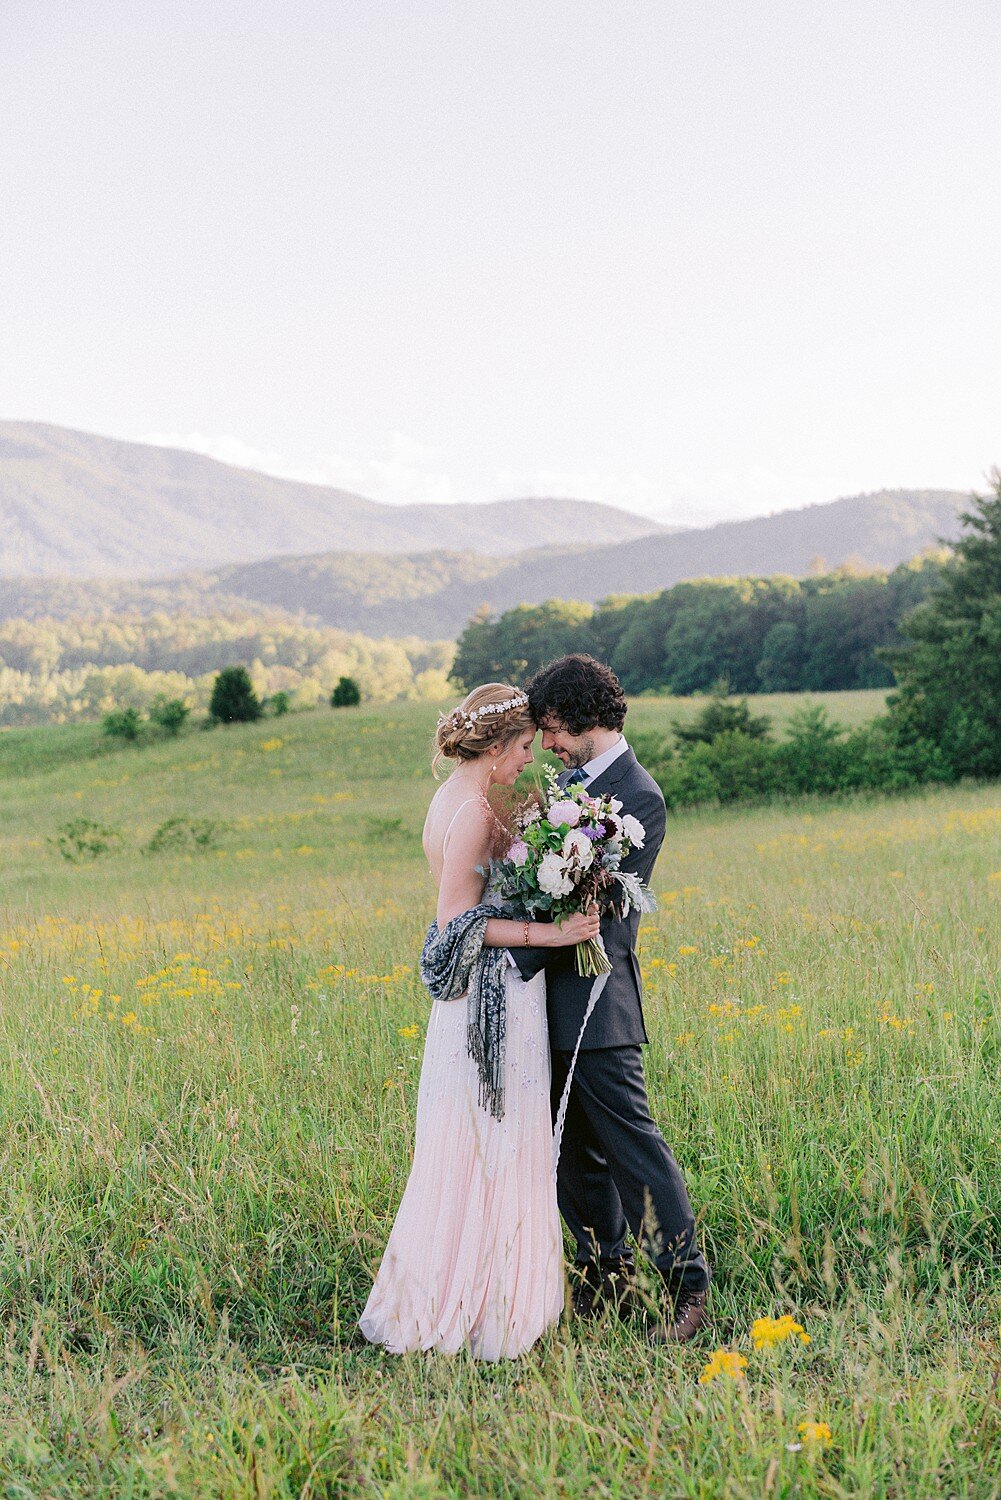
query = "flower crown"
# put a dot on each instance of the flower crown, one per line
(467, 721)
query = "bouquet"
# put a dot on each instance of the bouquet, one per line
(567, 852)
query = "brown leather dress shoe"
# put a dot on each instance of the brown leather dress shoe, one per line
(684, 1323)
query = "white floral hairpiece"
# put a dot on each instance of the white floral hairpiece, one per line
(520, 700)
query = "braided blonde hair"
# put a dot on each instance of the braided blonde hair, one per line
(493, 714)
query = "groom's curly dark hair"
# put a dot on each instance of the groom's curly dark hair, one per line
(580, 692)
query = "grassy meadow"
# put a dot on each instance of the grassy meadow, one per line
(208, 1069)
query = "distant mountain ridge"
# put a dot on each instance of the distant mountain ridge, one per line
(76, 504)
(434, 594)
(876, 530)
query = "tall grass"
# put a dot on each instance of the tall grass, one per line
(208, 1078)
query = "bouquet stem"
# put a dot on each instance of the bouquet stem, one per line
(592, 959)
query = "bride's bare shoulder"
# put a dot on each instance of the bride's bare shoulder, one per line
(452, 807)
(452, 812)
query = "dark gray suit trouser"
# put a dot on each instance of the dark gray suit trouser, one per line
(616, 1171)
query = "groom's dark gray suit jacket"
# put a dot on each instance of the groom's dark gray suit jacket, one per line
(617, 1019)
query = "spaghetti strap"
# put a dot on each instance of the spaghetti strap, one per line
(452, 819)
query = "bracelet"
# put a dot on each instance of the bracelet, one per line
(527, 926)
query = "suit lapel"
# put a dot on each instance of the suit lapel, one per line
(613, 774)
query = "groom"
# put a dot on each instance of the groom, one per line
(616, 1172)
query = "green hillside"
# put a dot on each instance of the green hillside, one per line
(59, 670)
(26, 751)
(433, 590)
(210, 1065)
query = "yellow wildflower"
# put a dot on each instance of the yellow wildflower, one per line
(130, 1018)
(765, 1332)
(686, 948)
(724, 1362)
(409, 1031)
(816, 1432)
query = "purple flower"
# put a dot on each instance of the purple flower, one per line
(595, 832)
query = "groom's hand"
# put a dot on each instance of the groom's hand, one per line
(531, 960)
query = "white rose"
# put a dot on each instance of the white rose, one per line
(564, 812)
(634, 831)
(552, 877)
(578, 847)
(615, 803)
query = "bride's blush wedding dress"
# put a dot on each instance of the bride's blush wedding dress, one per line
(475, 1257)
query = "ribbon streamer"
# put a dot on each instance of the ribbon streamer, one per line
(561, 1113)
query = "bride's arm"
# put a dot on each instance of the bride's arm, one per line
(461, 888)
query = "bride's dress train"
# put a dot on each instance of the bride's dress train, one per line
(475, 1257)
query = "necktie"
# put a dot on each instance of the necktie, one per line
(575, 777)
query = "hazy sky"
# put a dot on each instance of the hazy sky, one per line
(699, 259)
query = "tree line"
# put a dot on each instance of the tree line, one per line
(779, 634)
(942, 723)
(62, 670)
(934, 624)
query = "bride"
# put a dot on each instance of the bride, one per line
(475, 1257)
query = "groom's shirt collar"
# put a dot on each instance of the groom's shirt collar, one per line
(600, 763)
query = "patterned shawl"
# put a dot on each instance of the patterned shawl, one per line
(455, 962)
